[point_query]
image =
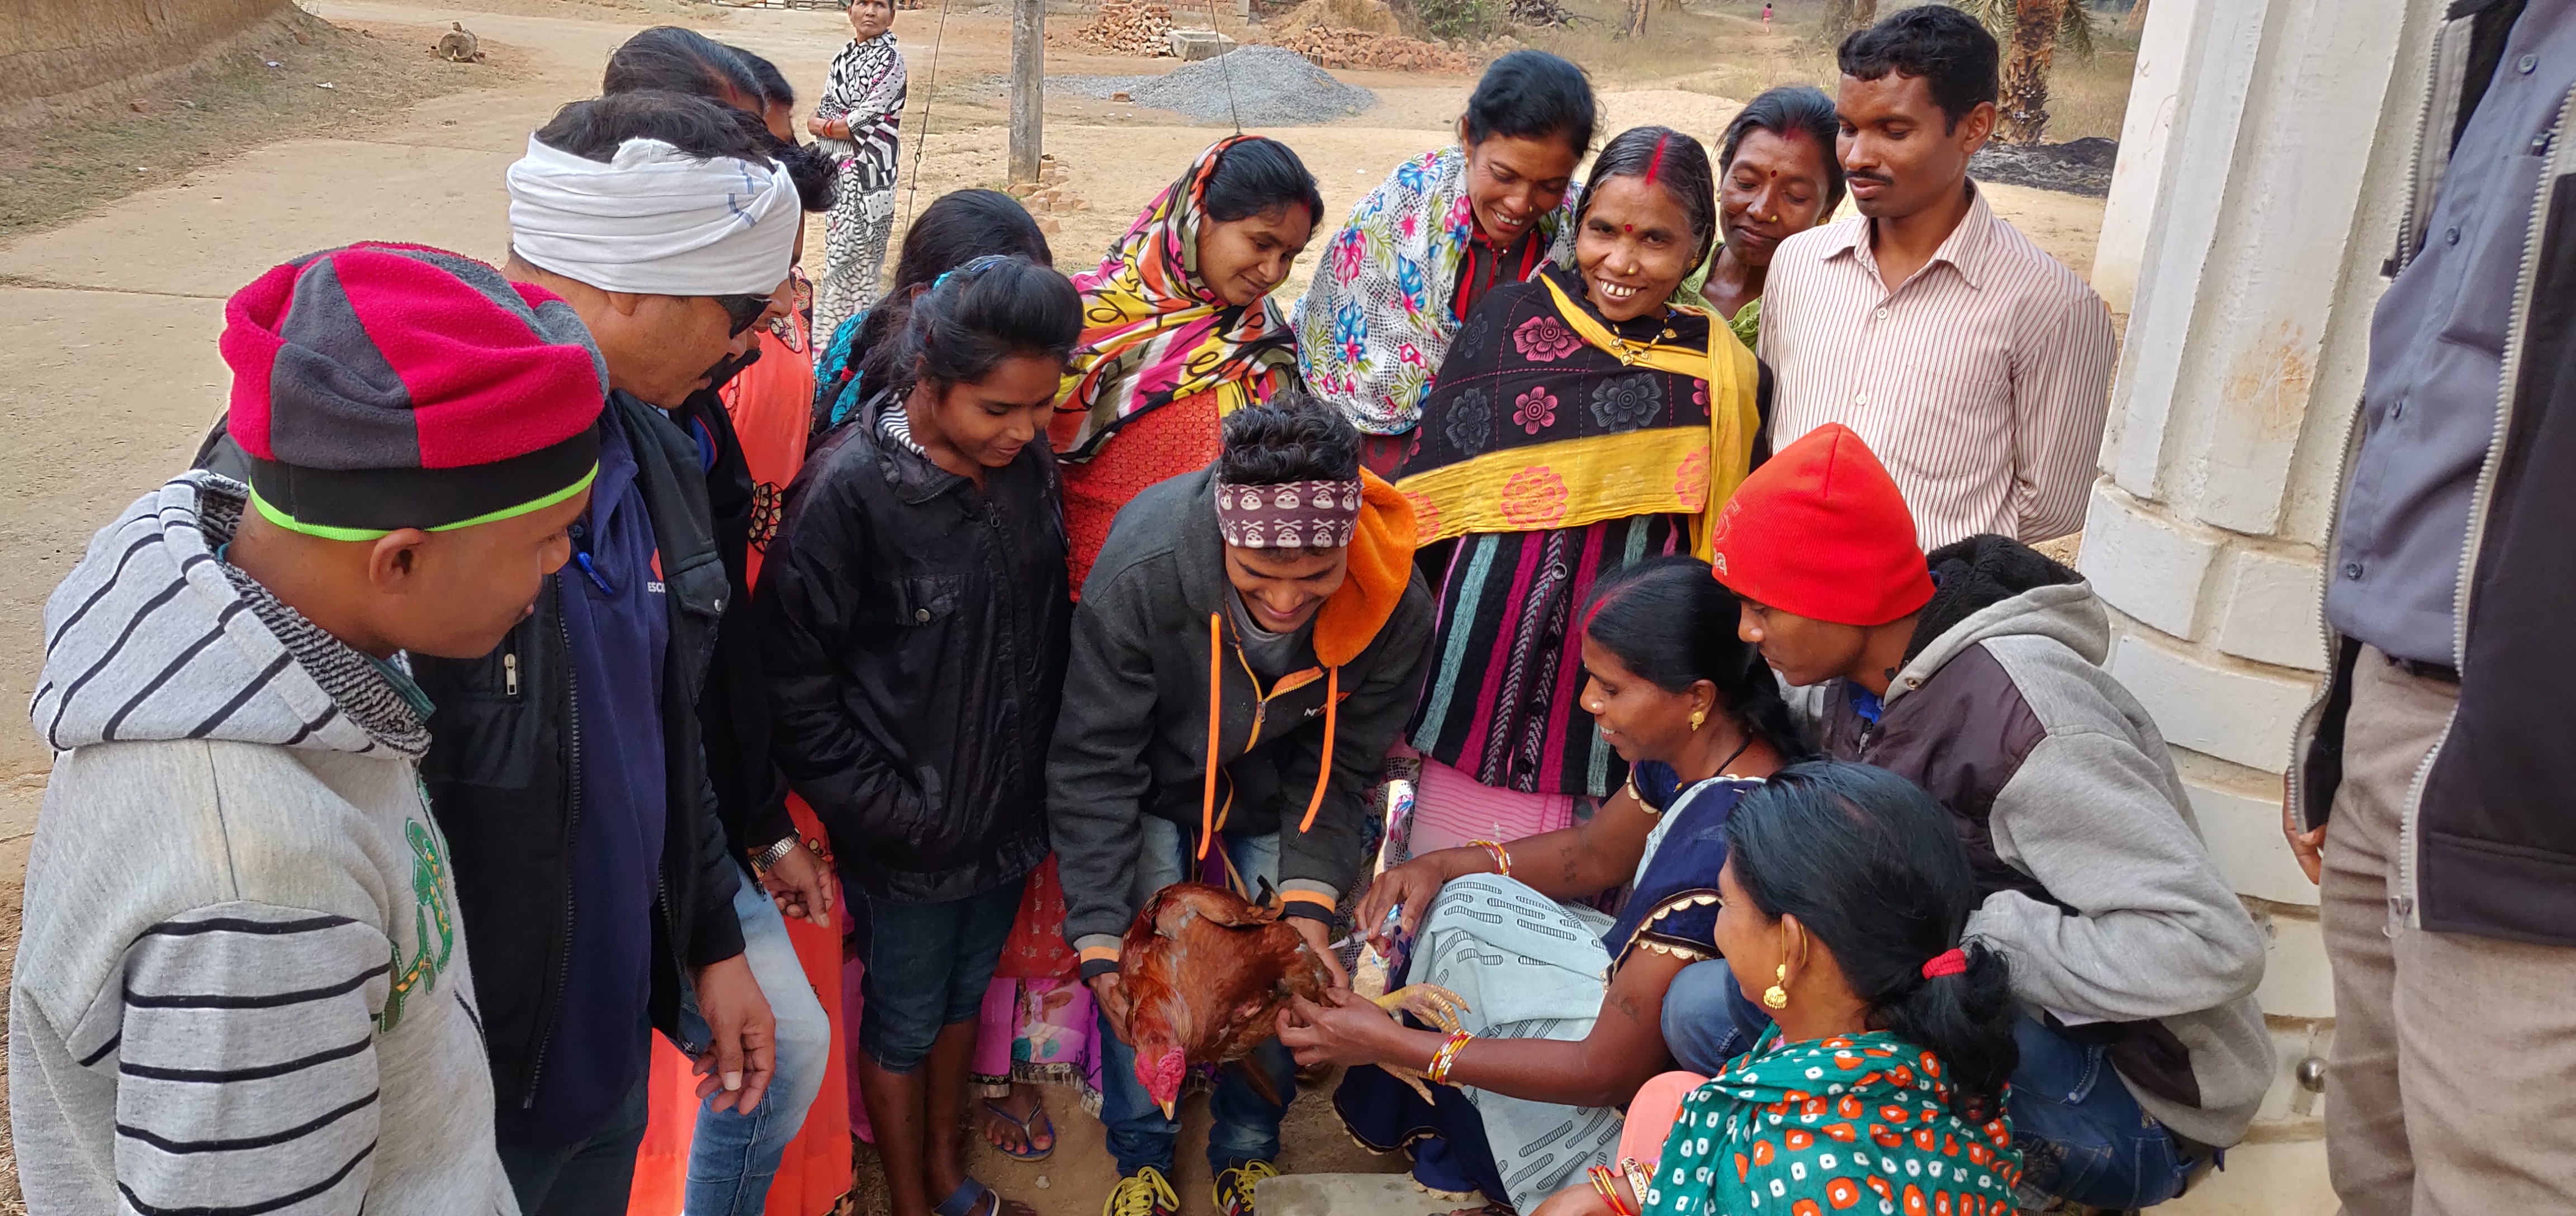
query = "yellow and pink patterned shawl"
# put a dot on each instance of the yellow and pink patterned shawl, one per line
(1153, 332)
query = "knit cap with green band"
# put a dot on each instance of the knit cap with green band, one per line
(378, 387)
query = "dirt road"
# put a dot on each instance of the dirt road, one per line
(112, 376)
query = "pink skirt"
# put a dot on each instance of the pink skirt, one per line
(1651, 1115)
(1451, 808)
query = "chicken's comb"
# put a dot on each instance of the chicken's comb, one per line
(1170, 1071)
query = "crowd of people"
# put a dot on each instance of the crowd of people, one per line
(1611, 603)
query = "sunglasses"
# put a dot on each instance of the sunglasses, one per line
(743, 311)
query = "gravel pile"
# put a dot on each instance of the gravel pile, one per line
(2080, 166)
(1271, 87)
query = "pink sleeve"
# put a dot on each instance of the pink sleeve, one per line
(1651, 1114)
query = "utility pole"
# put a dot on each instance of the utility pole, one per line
(1028, 87)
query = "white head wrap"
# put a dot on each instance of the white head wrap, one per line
(655, 220)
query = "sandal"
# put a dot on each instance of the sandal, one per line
(970, 1199)
(1028, 1150)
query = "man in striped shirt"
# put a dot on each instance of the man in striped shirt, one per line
(1977, 367)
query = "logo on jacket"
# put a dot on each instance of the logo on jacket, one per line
(429, 893)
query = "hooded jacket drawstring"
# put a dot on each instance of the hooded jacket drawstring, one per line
(1216, 716)
(1215, 739)
(1324, 761)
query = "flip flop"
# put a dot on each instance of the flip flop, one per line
(1028, 1150)
(968, 1200)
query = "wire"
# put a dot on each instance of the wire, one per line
(1223, 70)
(930, 92)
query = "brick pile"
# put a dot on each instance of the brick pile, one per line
(1131, 27)
(1050, 196)
(1347, 48)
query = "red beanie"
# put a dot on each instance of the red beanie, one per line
(1821, 531)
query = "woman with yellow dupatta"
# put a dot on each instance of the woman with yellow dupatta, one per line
(1178, 329)
(1580, 425)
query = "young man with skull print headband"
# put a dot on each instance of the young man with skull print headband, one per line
(1248, 645)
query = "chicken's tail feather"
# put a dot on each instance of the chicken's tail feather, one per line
(1259, 1079)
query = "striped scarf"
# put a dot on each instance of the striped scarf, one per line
(1153, 332)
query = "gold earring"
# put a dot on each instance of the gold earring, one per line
(1698, 716)
(1776, 996)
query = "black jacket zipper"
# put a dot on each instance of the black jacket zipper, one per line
(572, 828)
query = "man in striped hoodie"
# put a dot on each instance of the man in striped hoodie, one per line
(243, 984)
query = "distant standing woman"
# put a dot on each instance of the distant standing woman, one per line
(857, 116)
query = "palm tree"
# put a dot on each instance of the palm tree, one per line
(2031, 31)
(1844, 16)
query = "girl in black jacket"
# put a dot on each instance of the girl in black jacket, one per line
(916, 621)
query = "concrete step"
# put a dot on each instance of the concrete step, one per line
(1343, 1194)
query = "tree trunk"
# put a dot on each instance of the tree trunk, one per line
(2025, 85)
(1637, 18)
(1844, 16)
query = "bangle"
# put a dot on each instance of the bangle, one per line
(1607, 1184)
(1638, 1178)
(1447, 1057)
(1502, 856)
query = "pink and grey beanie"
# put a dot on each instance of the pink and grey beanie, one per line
(383, 386)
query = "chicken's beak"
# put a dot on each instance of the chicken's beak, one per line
(1167, 1111)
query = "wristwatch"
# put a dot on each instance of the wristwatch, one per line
(762, 860)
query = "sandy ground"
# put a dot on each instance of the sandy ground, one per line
(113, 375)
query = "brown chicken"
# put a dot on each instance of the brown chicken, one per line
(1205, 973)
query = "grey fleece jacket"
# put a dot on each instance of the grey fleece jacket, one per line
(2102, 895)
(1132, 737)
(243, 987)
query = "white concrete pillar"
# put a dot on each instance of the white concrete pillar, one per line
(2271, 141)
(2155, 90)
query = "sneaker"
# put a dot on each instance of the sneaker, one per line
(1143, 1193)
(1235, 1184)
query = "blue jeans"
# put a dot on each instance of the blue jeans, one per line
(2083, 1135)
(1707, 1019)
(928, 966)
(590, 1177)
(1246, 1127)
(735, 1153)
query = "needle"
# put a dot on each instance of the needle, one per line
(1393, 914)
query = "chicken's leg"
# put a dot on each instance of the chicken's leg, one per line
(1430, 1003)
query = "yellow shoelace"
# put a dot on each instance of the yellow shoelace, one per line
(1138, 1194)
(1247, 1178)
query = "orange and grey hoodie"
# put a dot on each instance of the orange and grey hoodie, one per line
(1159, 684)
